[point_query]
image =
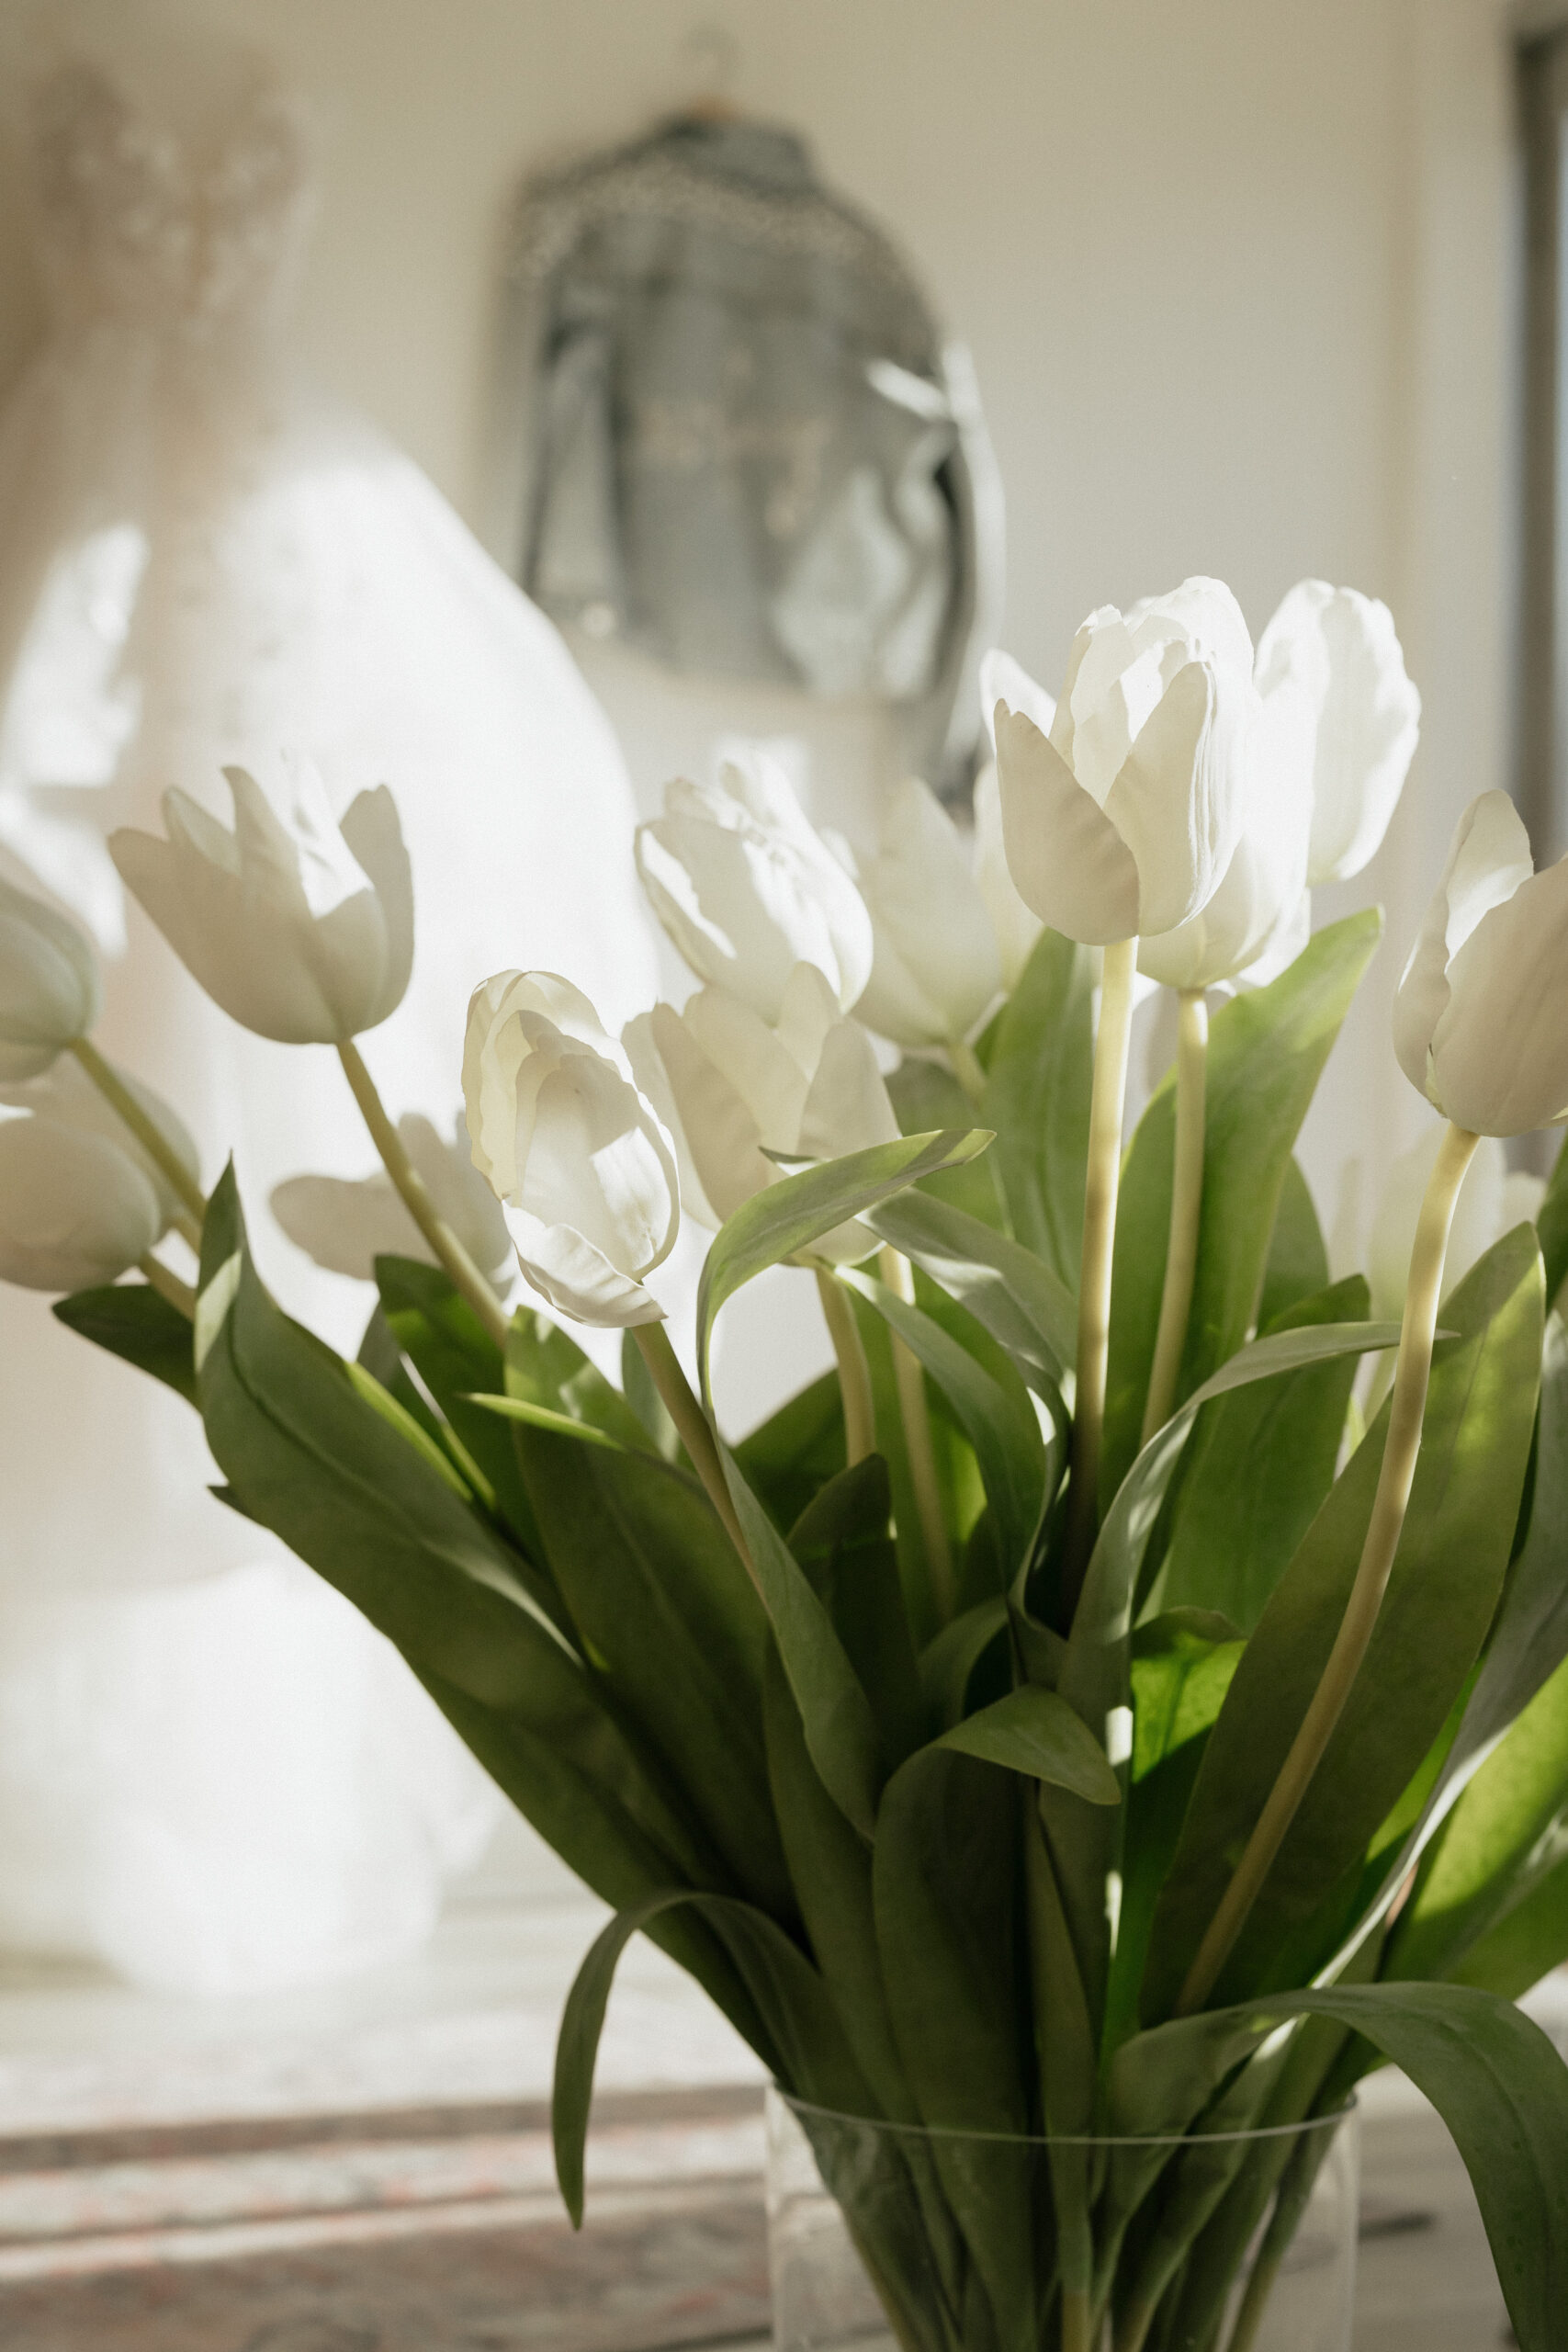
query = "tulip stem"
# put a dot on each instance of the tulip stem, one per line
(914, 1410)
(1412, 1374)
(146, 1130)
(692, 1428)
(1185, 1208)
(967, 1069)
(1106, 1099)
(168, 1286)
(854, 1373)
(464, 1275)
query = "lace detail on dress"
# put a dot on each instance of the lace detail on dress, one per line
(134, 225)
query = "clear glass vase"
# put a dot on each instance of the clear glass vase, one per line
(887, 2238)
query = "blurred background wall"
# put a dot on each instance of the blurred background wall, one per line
(1235, 276)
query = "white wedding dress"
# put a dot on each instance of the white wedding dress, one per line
(211, 1772)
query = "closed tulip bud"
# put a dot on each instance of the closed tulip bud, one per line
(1478, 1021)
(1120, 817)
(580, 1162)
(49, 984)
(1342, 648)
(746, 890)
(76, 1208)
(300, 929)
(935, 968)
(66, 1097)
(345, 1225)
(808, 1088)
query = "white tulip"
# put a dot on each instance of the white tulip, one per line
(1258, 918)
(746, 890)
(346, 1225)
(1121, 818)
(66, 1097)
(300, 929)
(1016, 927)
(1344, 649)
(1478, 1019)
(808, 1088)
(580, 1162)
(1491, 1202)
(76, 1208)
(935, 968)
(49, 984)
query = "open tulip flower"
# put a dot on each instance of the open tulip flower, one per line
(301, 929)
(345, 1224)
(1120, 817)
(1478, 1020)
(936, 967)
(746, 890)
(49, 984)
(584, 1170)
(1342, 648)
(808, 1089)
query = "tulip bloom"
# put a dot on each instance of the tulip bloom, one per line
(1342, 648)
(935, 968)
(49, 984)
(746, 890)
(1478, 1021)
(1120, 814)
(75, 1210)
(737, 1089)
(345, 1225)
(68, 1097)
(584, 1170)
(300, 929)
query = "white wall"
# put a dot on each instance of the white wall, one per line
(1232, 271)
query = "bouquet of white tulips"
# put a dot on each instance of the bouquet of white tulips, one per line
(1088, 1715)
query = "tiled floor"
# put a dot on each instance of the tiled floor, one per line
(369, 2170)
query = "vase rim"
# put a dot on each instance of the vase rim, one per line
(803, 2107)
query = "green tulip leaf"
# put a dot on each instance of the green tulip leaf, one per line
(1037, 1091)
(138, 1324)
(1036, 1733)
(925, 1097)
(1297, 1264)
(798, 2036)
(544, 1416)
(787, 1217)
(1021, 1302)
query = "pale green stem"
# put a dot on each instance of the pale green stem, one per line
(1185, 1208)
(854, 1374)
(147, 1133)
(914, 1411)
(1078, 2325)
(966, 1070)
(466, 1276)
(692, 1428)
(1412, 1375)
(1107, 1099)
(188, 1230)
(168, 1286)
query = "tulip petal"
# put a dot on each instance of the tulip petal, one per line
(1068, 863)
(751, 1059)
(1202, 615)
(1177, 801)
(344, 1225)
(935, 968)
(1499, 1052)
(75, 1209)
(575, 1278)
(848, 1107)
(1004, 680)
(721, 1133)
(1344, 646)
(372, 830)
(49, 984)
(1488, 859)
(639, 1042)
(1015, 926)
